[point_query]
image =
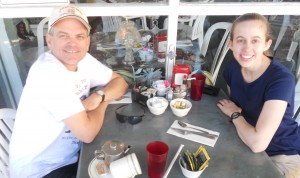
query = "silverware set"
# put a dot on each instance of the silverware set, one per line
(197, 131)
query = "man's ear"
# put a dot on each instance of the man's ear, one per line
(48, 40)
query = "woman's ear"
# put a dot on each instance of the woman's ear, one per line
(230, 44)
(268, 45)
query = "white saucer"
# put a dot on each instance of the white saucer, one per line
(93, 173)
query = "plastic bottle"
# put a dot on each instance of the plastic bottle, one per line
(183, 88)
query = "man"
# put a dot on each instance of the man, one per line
(56, 111)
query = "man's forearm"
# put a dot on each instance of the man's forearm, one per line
(115, 89)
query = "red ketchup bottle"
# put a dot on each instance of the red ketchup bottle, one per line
(180, 72)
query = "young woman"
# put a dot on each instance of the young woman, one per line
(261, 94)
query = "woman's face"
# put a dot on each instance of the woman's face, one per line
(249, 42)
(69, 42)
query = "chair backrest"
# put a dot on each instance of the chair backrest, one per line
(294, 44)
(111, 23)
(198, 29)
(297, 102)
(40, 35)
(285, 24)
(187, 19)
(222, 48)
(194, 29)
(7, 117)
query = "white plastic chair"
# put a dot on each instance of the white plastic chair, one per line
(187, 19)
(194, 29)
(112, 23)
(294, 44)
(143, 20)
(285, 24)
(197, 31)
(7, 117)
(222, 48)
(40, 35)
(297, 102)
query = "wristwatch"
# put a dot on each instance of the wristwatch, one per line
(102, 94)
(235, 115)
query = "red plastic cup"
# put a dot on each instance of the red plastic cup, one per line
(157, 153)
(197, 86)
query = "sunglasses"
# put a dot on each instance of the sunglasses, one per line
(130, 119)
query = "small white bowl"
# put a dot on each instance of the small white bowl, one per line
(157, 105)
(190, 174)
(160, 87)
(178, 111)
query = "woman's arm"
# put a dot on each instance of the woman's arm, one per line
(257, 138)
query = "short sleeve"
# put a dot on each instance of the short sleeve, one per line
(58, 96)
(227, 73)
(98, 73)
(281, 87)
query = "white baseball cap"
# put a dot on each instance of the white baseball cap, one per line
(68, 12)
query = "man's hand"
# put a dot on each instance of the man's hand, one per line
(92, 102)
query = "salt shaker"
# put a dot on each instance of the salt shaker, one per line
(170, 95)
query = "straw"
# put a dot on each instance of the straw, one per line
(173, 161)
(193, 78)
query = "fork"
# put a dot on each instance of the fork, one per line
(187, 132)
(184, 125)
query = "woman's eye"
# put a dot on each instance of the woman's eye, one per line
(240, 41)
(254, 41)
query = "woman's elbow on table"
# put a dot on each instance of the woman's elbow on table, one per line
(257, 150)
(257, 147)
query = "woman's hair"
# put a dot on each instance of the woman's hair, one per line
(253, 16)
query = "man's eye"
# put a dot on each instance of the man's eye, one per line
(80, 37)
(63, 36)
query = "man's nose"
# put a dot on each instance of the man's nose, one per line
(72, 40)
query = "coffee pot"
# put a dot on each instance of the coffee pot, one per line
(112, 150)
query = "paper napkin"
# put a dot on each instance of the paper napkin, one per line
(193, 137)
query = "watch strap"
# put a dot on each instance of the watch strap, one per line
(102, 94)
(235, 115)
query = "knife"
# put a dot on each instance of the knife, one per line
(187, 132)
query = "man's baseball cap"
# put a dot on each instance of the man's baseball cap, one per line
(68, 12)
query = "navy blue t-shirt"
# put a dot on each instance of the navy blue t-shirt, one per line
(276, 83)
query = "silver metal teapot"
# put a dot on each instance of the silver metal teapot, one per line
(112, 150)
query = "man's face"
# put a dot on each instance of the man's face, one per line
(69, 42)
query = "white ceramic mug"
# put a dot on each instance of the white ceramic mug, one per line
(126, 167)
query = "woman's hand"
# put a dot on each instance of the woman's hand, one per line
(228, 107)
